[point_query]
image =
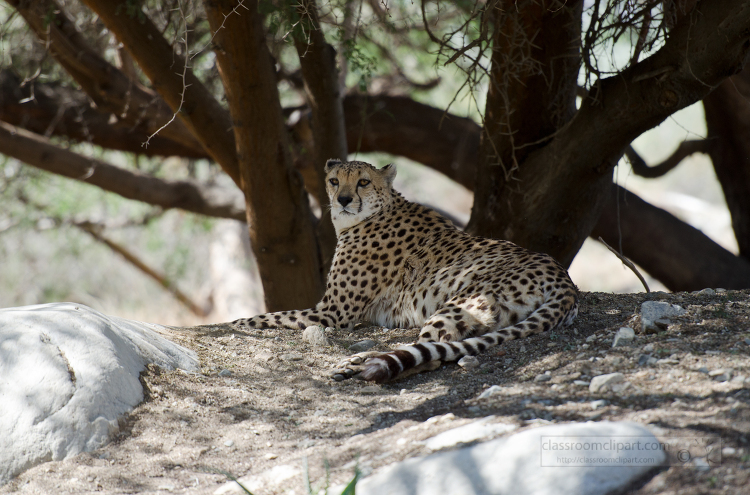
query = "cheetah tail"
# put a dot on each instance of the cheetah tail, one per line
(390, 365)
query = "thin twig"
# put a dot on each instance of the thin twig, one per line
(627, 263)
(136, 262)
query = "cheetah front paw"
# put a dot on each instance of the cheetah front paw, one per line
(352, 366)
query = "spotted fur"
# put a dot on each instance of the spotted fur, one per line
(402, 265)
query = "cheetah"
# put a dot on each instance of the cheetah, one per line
(400, 264)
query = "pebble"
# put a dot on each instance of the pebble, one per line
(703, 369)
(591, 338)
(644, 359)
(648, 348)
(493, 390)
(270, 456)
(624, 337)
(705, 292)
(292, 357)
(598, 403)
(372, 389)
(700, 463)
(229, 443)
(542, 378)
(580, 356)
(225, 373)
(747, 341)
(315, 335)
(728, 451)
(654, 315)
(468, 362)
(720, 375)
(581, 383)
(362, 345)
(603, 382)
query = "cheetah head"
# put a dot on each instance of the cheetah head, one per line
(357, 190)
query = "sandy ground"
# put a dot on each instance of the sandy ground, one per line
(265, 402)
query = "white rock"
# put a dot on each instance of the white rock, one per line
(598, 403)
(315, 335)
(468, 362)
(656, 310)
(519, 465)
(624, 337)
(603, 382)
(68, 374)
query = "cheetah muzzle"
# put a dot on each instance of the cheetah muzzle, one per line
(402, 265)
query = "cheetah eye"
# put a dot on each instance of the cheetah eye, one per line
(363, 182)
(334, 182)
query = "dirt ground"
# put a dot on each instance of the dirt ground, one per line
(265, 402)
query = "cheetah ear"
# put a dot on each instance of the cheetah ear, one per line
(389, 173)
(332, 162)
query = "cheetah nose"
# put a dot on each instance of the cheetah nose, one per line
(345, 200)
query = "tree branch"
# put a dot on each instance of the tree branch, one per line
(63, 111)
(207, 120)
(685, 149)
(113, 92)
(39, 152)
(144, 268)
(678, 255)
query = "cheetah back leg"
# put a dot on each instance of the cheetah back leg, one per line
(453, 322)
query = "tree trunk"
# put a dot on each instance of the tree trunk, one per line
(532, 91)
(728, 122)
(318, 66)
(279, 217)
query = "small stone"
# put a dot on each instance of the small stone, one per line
(580, 356)
(705, 292)
(292, 357)
(603, 382)
(468, 362)
(581, 383)
(728, 451)
(339, 377)
(643, 359)
(598, 403)
(657, 310)
(542, 378)
(372, 389)
(720, 291)
(225, 373)
(668, 361)
(362, 345)
(624, 337)
(700, 464)
(270, 456)
(493, 390)
(648, 348)
(591, 338)
(703, 369)
(738, 379)
(315, 335)
(720, 375)
(747, 341)
(229, 443)
(619, 388)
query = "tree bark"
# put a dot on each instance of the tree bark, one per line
(728, 124)
(207, 120)
(281, 223)
(318, 66)
(678, 255)
(39, 152)
(556, 207)
(534, 70)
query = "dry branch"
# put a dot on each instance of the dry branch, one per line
(200, 111)
(39, 152)
(627, 263)
(685, 149)
(144, 268)
(112, 91)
